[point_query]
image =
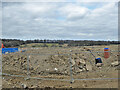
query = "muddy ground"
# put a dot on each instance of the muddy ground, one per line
(59, 63)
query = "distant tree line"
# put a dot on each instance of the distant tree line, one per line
(16, 42)
(91, 43)
(12, 42)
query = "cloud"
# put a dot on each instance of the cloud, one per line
(72, 11)
(60, 20)
(34, 1)
(97, 1)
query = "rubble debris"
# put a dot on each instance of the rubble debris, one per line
(115, 63)
(99, 64)
(24, 86)
(54, 65)
(89, 67)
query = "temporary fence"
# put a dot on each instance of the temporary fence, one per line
(40, 66)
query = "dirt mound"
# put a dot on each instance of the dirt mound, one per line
(53, 64)
(16, 63)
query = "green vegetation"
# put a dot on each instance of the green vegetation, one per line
(54, 43)
(41, 45)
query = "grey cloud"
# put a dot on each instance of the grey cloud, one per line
(19, 21)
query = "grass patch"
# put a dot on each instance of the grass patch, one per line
(42, 45)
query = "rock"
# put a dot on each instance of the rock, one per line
(24, 86)
(15, 58)
(66, 72)
(99, 64)
(89, 67)
(116, 63)
(82, 61)
(16, 61)
(87, 49)
(77, 61)
(73, 62)
(35, 86)
(84, 85)
(63, 63)
(6, 52)
(9, 83)
(72, 81)
(80, 70)
(47, 69)
(10, 79)
(85, 58)
(81, 67)
(55, 69)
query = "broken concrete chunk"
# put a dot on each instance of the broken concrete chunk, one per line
(24, 86)
(99, 64)
(116, 63)
(89, 67)
(73, 62)
(82, 61)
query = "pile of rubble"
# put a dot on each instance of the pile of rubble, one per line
(15, 63)
(63, 63)
(53, 64)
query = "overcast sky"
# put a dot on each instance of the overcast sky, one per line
(65, 20)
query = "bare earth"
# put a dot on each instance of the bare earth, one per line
(57, 66)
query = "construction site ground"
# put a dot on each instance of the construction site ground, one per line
(25, 69)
